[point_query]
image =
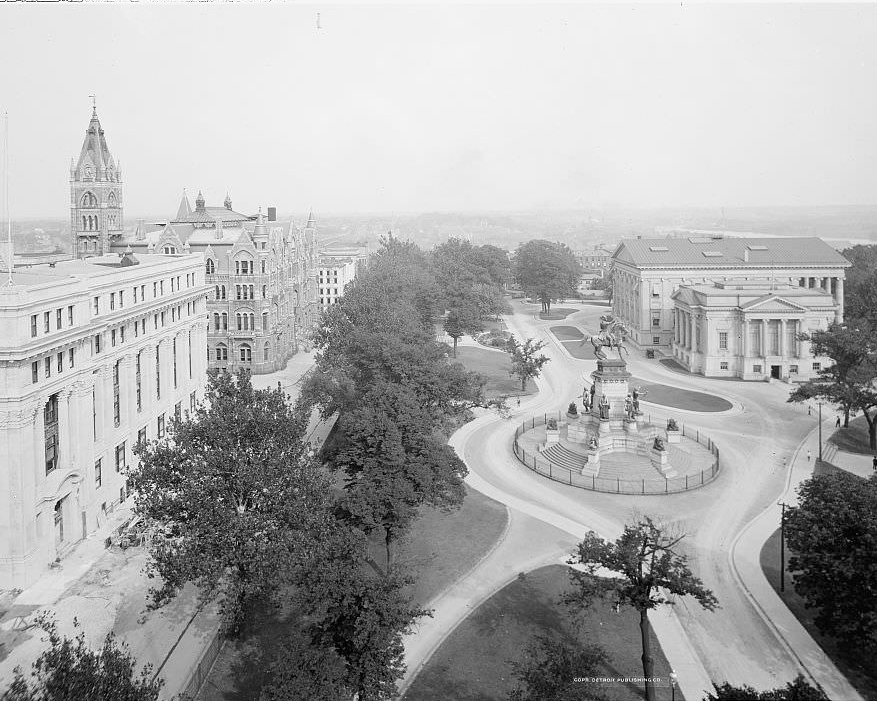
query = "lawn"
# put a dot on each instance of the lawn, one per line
(853, 439)
(495, 366)
(558, 313)
(440, 549)
(474, 663)
(571, 338)
(678, 398)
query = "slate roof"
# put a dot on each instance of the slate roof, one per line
(749, 297)
(706, 252)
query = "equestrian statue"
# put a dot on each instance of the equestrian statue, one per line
(611, 336)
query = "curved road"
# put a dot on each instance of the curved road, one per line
(752, 639)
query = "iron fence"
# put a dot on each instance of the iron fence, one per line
(617, 485)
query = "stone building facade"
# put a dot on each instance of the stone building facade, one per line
(96, 355)
(647, 273)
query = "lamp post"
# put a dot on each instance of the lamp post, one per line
(820, 430)
(674, 679)
(782, 546)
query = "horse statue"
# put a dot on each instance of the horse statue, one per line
(611, 336)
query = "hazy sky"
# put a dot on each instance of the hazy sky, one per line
(446, 107)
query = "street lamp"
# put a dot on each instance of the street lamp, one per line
(674, 679)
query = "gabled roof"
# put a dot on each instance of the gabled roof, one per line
(772, 303)
(185, 209)
(707, 252)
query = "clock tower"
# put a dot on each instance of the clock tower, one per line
(95, 195)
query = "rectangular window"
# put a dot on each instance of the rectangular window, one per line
(142, 293)
(192, 401)
(121, 334)
(756, 368)
(70, 356)
(178, 410)
(656, 321)
(120, 457)
(172, 284)
(116, 395)
(817, 366)
(136, 328)
(96, 343)
(46, 321)
(793, 369)
(154, 290)
(189, 349)
(161, 287)
(98, 476)
(96, 305)
(162, 318)
(33, 325)
(137, 380)
(48, 365)
(135, 294)
(723, 340)
(35, 371)
(94, 413)
(70, 316)
(113, 338)
(141, 435)
(656, 340)
(723, 365)
(158, 372)
(61, 361)
(121, 299)
(50, 420)
(174, 351)
(59, 315)
(112, 301)
(160, 427)
(155, 321)
(143, 326)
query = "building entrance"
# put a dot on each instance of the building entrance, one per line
(775, 371)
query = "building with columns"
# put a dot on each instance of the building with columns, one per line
(337, 267)
(96, 354)
(749, 329)
(647, 273)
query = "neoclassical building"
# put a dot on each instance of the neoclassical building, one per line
(647, 273)
(96, 354)
(262, 274)
(336, 268)
(749, 329)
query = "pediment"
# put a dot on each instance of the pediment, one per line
(771, 304)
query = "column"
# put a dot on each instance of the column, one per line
(782, 339)
(65, 452)
(839, 299)
(800, 344)
(762, 349)
(745, 345)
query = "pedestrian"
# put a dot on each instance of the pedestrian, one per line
(808, 456)
(874, 462)
(519, 402)
(837, 423)
(809, 410)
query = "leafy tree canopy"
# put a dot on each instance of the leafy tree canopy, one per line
(526, 361)
(547, 270)
(71, 671)
(798, 690)
(237, 495)
(550, 667)
(303, 670)
(860, 285)
(833, 533)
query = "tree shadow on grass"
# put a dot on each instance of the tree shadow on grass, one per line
(439, 683)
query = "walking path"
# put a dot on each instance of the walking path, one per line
(750, 640)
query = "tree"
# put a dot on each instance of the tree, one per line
(525, 363)
(849, 382)
(547, 271)
(798, 690)
(237, 496)
(303, 670)
(860, 289)
(461, 320)
(394, 464)
(833, 532)
(647, 563)
(549, 669)
(605, 283)
(71, 671)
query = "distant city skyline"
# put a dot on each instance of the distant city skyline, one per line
(391, 108)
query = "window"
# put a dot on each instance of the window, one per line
(221, 352)
(94, 414)
(58, 316)
(70, 356)
(120, 457)
(656, 321)
(817, 366)
(656, 289)
(141, 435)
(723, 340)
(267, 351)
(98, 470)
(61, 361)
(723, 365)
(192, 402)
(163, 317)
(161, 287)
(116, 399)
(35, 371)
(46, 319)
(264, 321)
(143, 326)
(113, 338)
(33, 325)
(70, 316)
(178, 410)
(135, 294)
(189, 348)
(48, 364)
(96, 305)
(211, 268)
(142, 293)
(121, 334)
(174, 355)
(793, 369)
(137, 380)
(50, 420)
(121, 299)
(160, 427)
(112, 301)
(656, 340)
(216, 321)
(756, 368)
(158, 372)
(155, 321)
(246, 354)
(224, 321)
(154, 289)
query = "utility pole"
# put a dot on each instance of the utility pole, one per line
(783, 546)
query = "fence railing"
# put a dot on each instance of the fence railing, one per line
(202, 669)
(658, 485)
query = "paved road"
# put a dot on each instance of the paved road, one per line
(752, 639)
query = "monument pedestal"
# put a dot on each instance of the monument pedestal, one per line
(631, 426)
(610, 387)
(604, 426)
(592, 467)
(661, 462)
(674, 436)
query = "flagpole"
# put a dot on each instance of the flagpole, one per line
(6, 178)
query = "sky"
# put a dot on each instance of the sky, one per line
(446, 107)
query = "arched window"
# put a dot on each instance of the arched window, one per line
(222, 289)
(267, 352)
(211, 268)
(224, 321)
(84, 223)
(246, 353)
(88, 200)
(217, 293)
(252, 322)
(252, 296)
(264, 321)
(169, 250)
(263, 267)
(264, 291)
(112, 199)
(221, 352)
(237, 291)
(239, 322)
(215, 321)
